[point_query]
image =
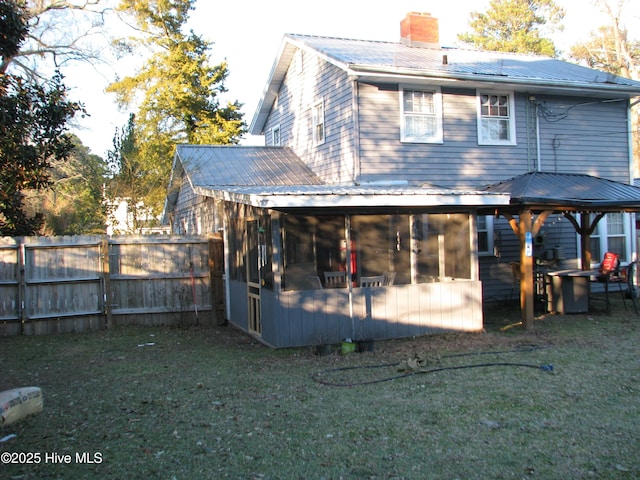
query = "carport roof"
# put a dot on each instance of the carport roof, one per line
(568, 191)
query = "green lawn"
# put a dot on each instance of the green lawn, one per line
(212, 403)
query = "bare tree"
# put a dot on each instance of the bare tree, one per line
(60, 31)
(611, 49)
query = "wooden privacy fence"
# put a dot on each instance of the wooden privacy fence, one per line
(62, 284)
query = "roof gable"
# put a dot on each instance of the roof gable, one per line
(396, 62)
(456, 62)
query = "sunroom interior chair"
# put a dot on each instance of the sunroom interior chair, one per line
(314, 282)
(389, 278)
(611, 272)
(335, 279)
(373, 281)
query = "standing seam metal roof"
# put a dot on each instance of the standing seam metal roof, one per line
(274, 177)
(371, 60)
(209, 165)
(569, 189)
(459, 61)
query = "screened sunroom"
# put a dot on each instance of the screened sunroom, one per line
(313, 274)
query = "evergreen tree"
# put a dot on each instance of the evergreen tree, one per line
(516, 26)
(73, 204)
(176, 92)
(13, 30)
(127, 174)
(33, 122)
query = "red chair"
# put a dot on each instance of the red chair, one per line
(611, 272)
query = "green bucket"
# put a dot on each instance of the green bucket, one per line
(348, 347)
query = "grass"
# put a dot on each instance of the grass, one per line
(160, 403)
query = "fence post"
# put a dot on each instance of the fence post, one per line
(22, 288)
(106, 280)
(216, 269)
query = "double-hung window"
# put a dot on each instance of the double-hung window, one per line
(496, 121)
(485, 235)
(317, 121)
(613, 234)
(421, 115)
(275, 136)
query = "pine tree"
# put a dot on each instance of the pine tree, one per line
(176, 92)
(516, 26)
(33, 122)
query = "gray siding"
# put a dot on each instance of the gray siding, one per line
(585, 135)
(333, 161)
(312, 317)
(194, 214)
(495, 272)
(576, 135)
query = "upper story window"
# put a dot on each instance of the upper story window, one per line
(297, 64)
(421, 115)
(275, 136)
(317, 121)
(496, 120)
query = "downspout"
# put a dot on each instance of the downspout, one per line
(630, 138)
(227, 263)
(356, 130)
(538, 156)
(632, 216)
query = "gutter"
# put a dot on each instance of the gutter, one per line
(560, 203)
(482, 80)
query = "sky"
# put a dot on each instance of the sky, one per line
(248, 34)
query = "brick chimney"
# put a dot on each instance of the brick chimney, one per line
(419, 30)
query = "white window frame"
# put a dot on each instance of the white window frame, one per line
(276, 138)
(437, 136)
(490, 251)
(510, 117)
(318, 126)
(602, 232)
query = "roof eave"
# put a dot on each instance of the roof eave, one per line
(314, 200)
(279, 69)
(567, 204)
(369, 73)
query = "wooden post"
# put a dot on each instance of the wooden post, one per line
(216, 269)
(585, 242)
(585, 229)
(22, 286)
(526, 268)
(106, 281)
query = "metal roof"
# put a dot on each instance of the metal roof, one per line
(570, 191)
(274, 177)
(459, 61)
(354, 196)
(209, 165)
(395, 62)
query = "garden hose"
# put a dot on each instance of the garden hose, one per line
(413, 367)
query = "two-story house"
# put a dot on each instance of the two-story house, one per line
(376, 208)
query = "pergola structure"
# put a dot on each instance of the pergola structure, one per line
(536, 195)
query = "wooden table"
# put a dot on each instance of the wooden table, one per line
(568, 290)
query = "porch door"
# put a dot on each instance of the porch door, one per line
(255, 262)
